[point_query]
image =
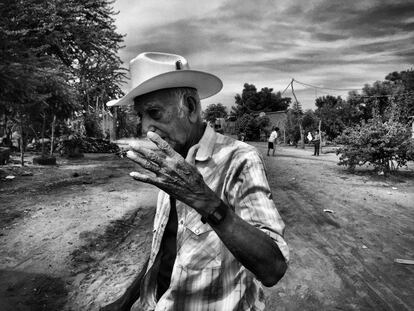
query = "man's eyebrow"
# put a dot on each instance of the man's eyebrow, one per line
(152, 106)
(148, 105)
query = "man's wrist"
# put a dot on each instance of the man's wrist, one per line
(217, 215)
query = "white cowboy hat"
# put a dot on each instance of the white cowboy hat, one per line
(154, 71)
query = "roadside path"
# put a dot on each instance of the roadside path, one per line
(342, 260)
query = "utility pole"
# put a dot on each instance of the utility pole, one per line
(298, 109)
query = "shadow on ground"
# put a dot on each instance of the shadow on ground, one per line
(22, 291)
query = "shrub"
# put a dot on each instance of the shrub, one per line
(385, 145)
(77, 145)
(44, 160)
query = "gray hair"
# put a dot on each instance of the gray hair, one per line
(181, 92)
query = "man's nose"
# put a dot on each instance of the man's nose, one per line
(147, 126)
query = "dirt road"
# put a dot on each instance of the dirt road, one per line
(71, 237)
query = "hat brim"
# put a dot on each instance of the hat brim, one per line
(206, 84)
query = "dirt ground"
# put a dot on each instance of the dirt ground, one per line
(72, 236)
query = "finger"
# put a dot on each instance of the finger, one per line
(191, 155)
(143, 178)
(147, 153)
(162, 144)
(145, 163)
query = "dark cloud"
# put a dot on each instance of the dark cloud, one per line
(407, 55)
(181, 37)
(327, 37)
(365, 19)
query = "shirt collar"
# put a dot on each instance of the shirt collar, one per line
(206, 143)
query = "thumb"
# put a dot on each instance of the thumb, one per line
(190, 158)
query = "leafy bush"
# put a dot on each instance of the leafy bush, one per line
(76, 145)
(385, 145)
(44, 160)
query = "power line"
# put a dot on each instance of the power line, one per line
(286, 87)
(323, 88)
(338, 89)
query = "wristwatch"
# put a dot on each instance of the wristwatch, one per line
(216, 216)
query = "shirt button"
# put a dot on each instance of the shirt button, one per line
(197, 231)
(182, 222)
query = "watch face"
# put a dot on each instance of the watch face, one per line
(217, 215)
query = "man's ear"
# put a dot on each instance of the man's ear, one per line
(193, 108)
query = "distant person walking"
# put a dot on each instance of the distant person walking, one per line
(272, 140)
(316, 142)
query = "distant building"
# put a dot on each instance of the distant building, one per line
(230, 125)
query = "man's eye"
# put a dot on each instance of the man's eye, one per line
(154, 114)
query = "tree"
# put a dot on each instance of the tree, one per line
(293, 128)
(243, 101)
(251, 101)
(71, 42)
(376, 99)
(334, 114)
(215, 111)
(403, 86)
(385, 145)
(310, 121)
(294, 125)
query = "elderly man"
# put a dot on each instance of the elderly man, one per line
(217, 233)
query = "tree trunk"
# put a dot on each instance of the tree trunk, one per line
(5, 124)
(52, 138)
(302, 138)
(43, 134)
(21, 142)
(115, 120)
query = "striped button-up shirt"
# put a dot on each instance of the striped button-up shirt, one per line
(206, 276)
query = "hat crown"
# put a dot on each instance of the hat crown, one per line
(152, 71)
(151, 64)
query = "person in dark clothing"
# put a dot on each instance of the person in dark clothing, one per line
(317, 143)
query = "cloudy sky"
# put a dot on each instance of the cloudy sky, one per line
(328, 43)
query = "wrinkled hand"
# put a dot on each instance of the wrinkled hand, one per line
(170, 172)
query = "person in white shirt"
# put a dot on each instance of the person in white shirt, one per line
(309, 137)
(272, 140)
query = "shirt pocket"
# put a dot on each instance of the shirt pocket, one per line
(201, 247)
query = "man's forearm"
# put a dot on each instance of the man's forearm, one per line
(253, 248)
